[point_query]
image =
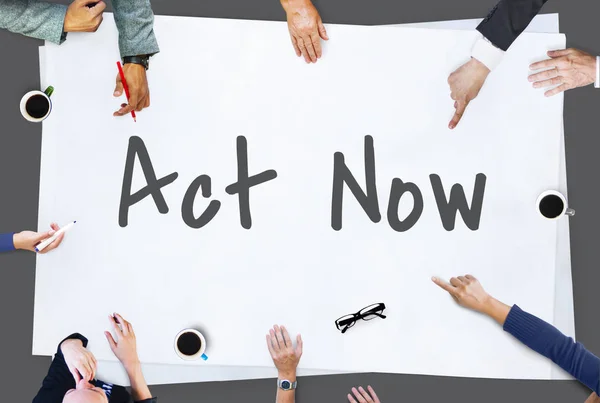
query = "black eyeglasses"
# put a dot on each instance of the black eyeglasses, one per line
(371, 312)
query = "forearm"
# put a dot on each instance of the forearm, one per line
(34, 18)
(286, 396)
(139, 388)
(135, 22)
(496, 310)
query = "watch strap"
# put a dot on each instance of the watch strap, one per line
(141, 60)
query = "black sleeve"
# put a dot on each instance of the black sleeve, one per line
(508, 19)
(59, 379)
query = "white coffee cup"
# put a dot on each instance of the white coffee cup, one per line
(554, 215)
(31, 94)
(196, 355)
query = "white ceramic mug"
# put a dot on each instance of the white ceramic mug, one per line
(565, 210)
(199, 354)
(46, 94)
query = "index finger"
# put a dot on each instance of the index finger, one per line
(442, 284)
(544, 64)
(128, 107)
(98, 8)
(115, 326)
(460, 110)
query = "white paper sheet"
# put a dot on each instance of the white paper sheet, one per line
(538, 56)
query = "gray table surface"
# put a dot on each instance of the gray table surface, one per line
(20, 143)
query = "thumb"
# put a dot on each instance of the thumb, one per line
(323, 31)
(119, 87)
(75, 374)
(111, 342)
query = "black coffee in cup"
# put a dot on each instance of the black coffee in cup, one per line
(189, 344)
(37, 106)
(551, 206)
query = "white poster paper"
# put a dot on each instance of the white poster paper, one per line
(245, 80)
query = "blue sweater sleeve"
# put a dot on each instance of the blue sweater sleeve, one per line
(548, 341)
(6, 242)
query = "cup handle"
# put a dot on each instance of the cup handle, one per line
(570, 212)
(204, 357)
(49, 91)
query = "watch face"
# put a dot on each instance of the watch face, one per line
(286, 385)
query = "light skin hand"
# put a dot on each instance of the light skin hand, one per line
(84, 16)
(286, 359)
(124, 348)
(81, 363)
(468, 292)
(568, 69)
(284, 355)
(593, 398)
(139, 93)
(362, 396)
(306, 29)
(28, 240)
(465, 84)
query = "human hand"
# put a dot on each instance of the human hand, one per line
(465, 84)
(81, 363)
(137, 83)
(362, 396)
(124, 347)
(306, 29)
(468, 292)
(84, 16)
(28, 240)
(284, 355)
(569, 68)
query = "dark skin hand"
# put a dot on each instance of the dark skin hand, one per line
(139, 94)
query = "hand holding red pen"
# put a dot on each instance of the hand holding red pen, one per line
(137, 83)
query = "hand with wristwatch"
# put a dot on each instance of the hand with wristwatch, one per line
(286, 357)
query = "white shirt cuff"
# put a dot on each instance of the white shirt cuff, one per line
(487, 53)
(597, 84)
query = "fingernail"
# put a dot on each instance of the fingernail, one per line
(434, 278)
(530, 78)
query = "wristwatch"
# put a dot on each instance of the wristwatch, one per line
(141, 60)
(284, 384)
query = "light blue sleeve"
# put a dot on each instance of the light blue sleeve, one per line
(37, 19)
(135, 22)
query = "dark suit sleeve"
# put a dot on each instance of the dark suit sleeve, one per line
(508, 19)
(59, 379)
